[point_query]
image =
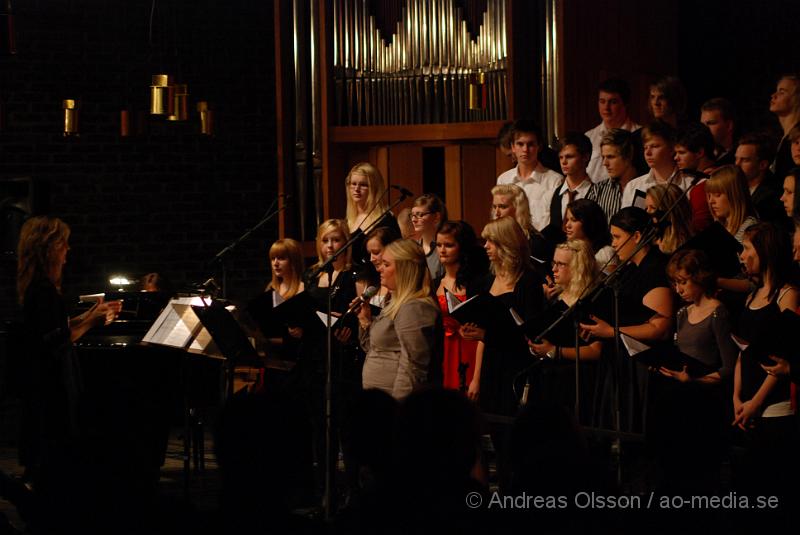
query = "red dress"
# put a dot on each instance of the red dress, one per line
(456, 349)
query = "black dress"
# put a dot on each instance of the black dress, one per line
(343, 291)
(772, 438)
(506, 352)
(633, 377)
(688, 421)
(50, 422)
(554, 381)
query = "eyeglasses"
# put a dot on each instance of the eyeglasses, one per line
(419, 215)
(559, 265)
(359, 185)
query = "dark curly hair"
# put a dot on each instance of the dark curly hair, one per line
(472, 262)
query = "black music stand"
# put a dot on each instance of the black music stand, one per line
(211, 330)
(229, 337)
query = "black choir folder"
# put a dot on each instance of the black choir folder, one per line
(721, 248)
(483, 309)
(667, 356)
(270, 311)
(777, 338)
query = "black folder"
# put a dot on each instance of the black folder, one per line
(670, 357)
(777, 338)
(721, 248)
(482, 309)
(297, 311)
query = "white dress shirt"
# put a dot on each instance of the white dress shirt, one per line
(645, 182)
(581, 192)
(596, 170)
(539, 186)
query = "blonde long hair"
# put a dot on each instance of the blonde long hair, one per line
(292, 250)
(513, 251)
(679, 231)
(522, 209)
(39, 241)
(582, 267)
(377, 188)
(731, 181)
(326, 227)
(413, 279)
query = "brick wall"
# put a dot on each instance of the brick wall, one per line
(165, 200)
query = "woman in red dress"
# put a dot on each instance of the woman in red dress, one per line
(464, 265)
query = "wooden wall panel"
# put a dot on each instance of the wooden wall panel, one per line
(630, 39)
(453, 191)
(478, 178)
(405, 169)
(502, 163)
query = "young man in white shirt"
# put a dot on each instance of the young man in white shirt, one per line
(613, 96)
(535, 179)
(659, 152)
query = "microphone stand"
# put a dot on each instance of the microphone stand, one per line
(220, 257)
(328, 268)
(590, 293)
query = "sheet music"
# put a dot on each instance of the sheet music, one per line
(517, 318)
(640, 199)
(633, 345)
(176, 325)
(451, 300)
(741, 345)
(453, 303)
(323, 317)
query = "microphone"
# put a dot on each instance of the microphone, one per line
(403, 191)
(210, 286)
(368, 294)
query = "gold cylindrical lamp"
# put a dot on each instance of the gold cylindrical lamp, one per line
(477, 83)
(180, 100)
(206, 118)
(71, 118)
(159, 95)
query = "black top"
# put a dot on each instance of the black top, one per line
(563, 335)
(506, 353)
(650, 273)
(751, 322)
(768, 204)
(360, 256)
(343, 291)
